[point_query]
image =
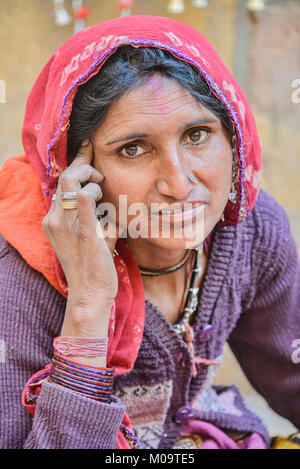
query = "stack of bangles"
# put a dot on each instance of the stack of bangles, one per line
(89, 381)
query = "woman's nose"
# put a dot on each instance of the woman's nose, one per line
(173, 175)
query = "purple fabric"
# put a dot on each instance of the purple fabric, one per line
(250, 297)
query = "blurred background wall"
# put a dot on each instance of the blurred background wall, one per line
(260, 48)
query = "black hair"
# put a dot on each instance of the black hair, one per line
(126, 69)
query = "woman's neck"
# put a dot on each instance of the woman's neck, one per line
(166, 291)
(151, 256)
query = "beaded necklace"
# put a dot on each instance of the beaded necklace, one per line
(190, 295)
(190, 301)
(183, 326)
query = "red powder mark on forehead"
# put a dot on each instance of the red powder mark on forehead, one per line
(157, 91)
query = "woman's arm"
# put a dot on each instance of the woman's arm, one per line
(31, 315)
(265, 337)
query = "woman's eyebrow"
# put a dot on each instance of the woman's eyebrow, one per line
(127, 137)
(203, 120)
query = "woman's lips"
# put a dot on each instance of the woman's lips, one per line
(190, 212)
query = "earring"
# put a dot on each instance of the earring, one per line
(222, 217)
(233, 195)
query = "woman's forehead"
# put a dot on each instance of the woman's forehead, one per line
(159, 97)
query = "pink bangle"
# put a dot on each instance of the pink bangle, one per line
(81, 346)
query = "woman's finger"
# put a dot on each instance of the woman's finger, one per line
(86, 203)
(80, 173)
(71, 179)
(94, 190)
(56, 204)
(54, 215)
(87, 224)
(85, 154)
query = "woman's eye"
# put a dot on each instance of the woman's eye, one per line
(131, 151)
(196, 136)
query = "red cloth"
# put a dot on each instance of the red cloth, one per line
(28, 182)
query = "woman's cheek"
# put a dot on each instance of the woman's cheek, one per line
(122, 197)
(218, 183)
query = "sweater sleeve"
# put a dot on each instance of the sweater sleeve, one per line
(31, 315)
(64, 420)
(266, 339)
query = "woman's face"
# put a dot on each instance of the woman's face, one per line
(151, 140)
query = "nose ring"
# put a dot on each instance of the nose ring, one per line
(193, 179)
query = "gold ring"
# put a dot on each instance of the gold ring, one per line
(69, 205)
(68, 195)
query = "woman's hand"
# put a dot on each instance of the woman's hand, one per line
(86, 258)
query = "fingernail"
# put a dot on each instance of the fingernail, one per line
(85, 142)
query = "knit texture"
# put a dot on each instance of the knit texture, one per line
(250, 294)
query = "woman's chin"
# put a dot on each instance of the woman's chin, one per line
(174, 243)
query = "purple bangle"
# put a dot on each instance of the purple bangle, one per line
(90, 395)
(84, 368)
(88, 381)
(78, 383)
(84, 376)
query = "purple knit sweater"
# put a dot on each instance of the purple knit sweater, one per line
(251, 297)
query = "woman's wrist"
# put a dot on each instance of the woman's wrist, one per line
(84, 334)
(83, 319)
(92, 300)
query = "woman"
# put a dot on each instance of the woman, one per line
(141, 108)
